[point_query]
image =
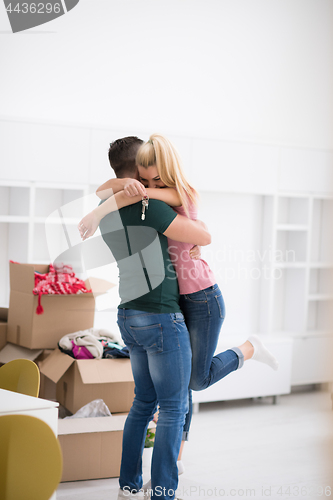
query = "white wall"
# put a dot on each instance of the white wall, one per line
(235, 222)
(252, 70)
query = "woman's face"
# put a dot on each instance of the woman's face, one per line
(149, 177)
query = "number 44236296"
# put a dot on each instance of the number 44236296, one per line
(34, 8)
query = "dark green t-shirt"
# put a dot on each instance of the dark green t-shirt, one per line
(147, 279)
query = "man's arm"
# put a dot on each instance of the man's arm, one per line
(188, 231)
(131, 187)
(89, 224)
(121, 200)
(110, 187)
(180, 229)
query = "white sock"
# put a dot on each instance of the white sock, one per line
(261, 353)
(181, 468)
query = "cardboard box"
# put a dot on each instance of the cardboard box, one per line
(3, 326)
(47, 388)
(11, 352)
(62, 314)
(80, 381)
(91, 447)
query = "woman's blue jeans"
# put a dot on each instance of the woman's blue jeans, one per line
(204, 313)
(160, 354)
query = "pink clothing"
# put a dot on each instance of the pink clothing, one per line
(193, 274)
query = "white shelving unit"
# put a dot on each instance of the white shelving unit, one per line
(300, 298)
(25, 207)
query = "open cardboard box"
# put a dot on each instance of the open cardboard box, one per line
(79, 381)
(91, 447)
(3, 326)
(62, 314)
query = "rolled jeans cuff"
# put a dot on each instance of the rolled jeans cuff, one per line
(240, 356)
(185, 435)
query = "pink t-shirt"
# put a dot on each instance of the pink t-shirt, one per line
(193, 274)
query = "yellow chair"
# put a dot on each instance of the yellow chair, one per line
(20, 375)
(30, 459)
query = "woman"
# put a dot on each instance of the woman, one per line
(161, 177)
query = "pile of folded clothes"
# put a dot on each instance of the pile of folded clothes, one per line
(92, 344)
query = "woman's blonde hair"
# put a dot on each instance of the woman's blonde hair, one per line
(159, 151)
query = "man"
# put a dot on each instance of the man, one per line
(151, 325)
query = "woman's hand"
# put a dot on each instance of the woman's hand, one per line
(195, 252)
(133, 187)
(88, 225)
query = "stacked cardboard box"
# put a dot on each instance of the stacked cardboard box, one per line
(91, 447)
(62, 313)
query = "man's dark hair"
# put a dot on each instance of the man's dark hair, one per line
(122, 155)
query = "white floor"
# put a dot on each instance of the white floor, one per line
(248, 449)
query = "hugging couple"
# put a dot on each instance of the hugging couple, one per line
(171, 308)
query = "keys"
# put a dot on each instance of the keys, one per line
(145, 202)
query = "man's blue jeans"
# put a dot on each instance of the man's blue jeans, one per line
(160, 354)
(204, 313)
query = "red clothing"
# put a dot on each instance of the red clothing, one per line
(57, 283)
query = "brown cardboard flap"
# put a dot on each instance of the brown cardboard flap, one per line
(98, 285)
(103, 371)
(3, 335)
(3, 314)
(11, 352)
(89, 425)
(22, 276)
(55, 365)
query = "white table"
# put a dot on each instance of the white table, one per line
(16, 403)
(20, 404)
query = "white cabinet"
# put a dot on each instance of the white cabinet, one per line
(24, 211)
(312, 359)
(300, 297)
